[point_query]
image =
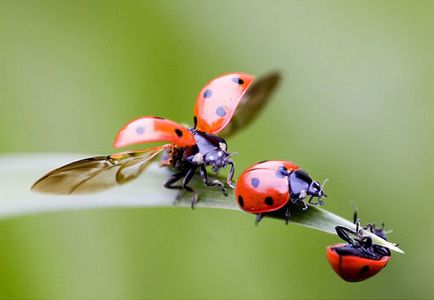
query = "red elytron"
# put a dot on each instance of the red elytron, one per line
(360, 259)
(214, 116)
(153, 129)
(273, 185)
(230, 97)
(350, 266)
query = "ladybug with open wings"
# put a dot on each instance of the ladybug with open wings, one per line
(273, 186)
(360, 259)
(225, 105)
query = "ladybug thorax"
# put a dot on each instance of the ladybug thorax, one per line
(212, 150)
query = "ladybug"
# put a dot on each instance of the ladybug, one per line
(275, 185)
(231, 97)
(360, 259)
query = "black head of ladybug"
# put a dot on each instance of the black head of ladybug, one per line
(301, 185)
(212, 151)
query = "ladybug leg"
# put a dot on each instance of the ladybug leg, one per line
(344, 232)
(310, 201)
(287, 214)
(370, 227)
(188, 176)
(300, 201)
(382, 250)
(318, 201)
(356, 217)
(303, 204)
(259, 218)
(231, 175)
(214, 182)
(174, 178)
(357, 222)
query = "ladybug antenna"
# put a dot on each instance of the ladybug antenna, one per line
(321, 193)
(323, 185)
(370, 227)
(344, 233)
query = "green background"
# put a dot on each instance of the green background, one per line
(356, 106)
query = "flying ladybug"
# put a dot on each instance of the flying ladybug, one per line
(224, 106)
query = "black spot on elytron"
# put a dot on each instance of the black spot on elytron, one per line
(195, 121)
(140, 130)
(364, 270)
(220, 111)
(207, 93)
(178, 132)
(159, 118)
(241, 201)
(238, 80)
(269, 201)
(281, 172)
(255, 182)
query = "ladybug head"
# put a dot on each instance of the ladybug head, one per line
(218, 159)
(317, 190)
(302, 184)
(212, 151)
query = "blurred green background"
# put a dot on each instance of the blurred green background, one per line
(356, 106)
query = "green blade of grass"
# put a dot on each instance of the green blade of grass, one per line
(19, 172)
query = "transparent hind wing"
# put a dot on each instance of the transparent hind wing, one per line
(96, 174)
(252, 103)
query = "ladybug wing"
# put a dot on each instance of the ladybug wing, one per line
(252, 103)
(96, 173)
(217, 101)
(153, 129)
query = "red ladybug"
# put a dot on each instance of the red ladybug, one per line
(228, 97)
(274, 185)
(360, 259)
